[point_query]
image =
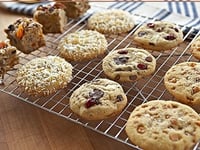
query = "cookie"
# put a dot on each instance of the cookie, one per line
(114, 21)
(44, 76)
(52, 17)
(82, 45)
(183, 82)
(98, 99)
(26, 35)
(128, 64)
(163, 125)
(8, 59)
(195, 48)
(75, 9)
(158, 36)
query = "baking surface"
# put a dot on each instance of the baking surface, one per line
(149, 88)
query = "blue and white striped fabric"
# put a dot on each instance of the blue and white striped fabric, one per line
(182, 13)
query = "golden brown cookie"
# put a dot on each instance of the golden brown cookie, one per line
(195, 48)
(163, 125)
(183, 82)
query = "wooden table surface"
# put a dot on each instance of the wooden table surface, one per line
(25, 127)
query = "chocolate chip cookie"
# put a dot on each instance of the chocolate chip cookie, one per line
(158, 35)
(183, 82)
(163, 125)
(98, 99)
(128, 64)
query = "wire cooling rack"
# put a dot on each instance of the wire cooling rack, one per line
(148, 88)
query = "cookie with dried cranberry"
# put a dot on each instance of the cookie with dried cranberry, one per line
(98, 99)
(158, 36)
(163, 125)
(183, 82)
(195, 48)
(128, 64)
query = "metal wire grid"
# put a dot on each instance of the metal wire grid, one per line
(148, 88)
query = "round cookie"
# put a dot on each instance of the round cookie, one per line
(44, 76)
(158, 36)
(183, 82)
(113, 21)
(163, 125)
(98, 99)
(82, 45)
(195, 48)
(128, 64)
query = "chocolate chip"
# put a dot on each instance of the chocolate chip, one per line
(133, 77)
(176, 29)
(150, 25)
(117, 77)
(149, 59)
(170, 37)
(119, 98)
(142, 33)
(142, 66)
(96, 94)
(122, 52)
(121, 60)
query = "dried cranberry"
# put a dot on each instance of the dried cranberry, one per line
(151, 25)
(121, 60)
(170, 37)
(142, 66)
(142, 33)
(122, 52)
(91, 102)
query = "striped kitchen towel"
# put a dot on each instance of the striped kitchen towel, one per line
(182, 13)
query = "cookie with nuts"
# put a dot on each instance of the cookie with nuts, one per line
(114, 21)
(183, 82)
(98, 99)
(128, 64)
(44, 76)
(158, 35)
(163, 125)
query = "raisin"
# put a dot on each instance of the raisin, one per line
(142, 66)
